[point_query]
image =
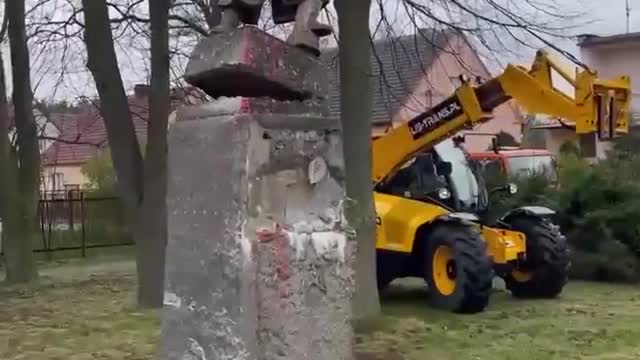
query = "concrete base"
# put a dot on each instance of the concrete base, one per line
(258, 262)
(250, 63)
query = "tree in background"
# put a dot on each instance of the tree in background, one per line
(8, 165)
(355, 111)
(151, 253)
(20, 166)
(141, 181)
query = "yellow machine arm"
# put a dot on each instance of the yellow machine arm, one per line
(601, 106)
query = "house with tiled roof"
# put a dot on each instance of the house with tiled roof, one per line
(411, 74)
(47, 131)
(82, 135)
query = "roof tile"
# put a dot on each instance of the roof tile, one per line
(396, 66)
(83, 134)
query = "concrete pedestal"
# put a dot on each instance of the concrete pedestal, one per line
(259, 265)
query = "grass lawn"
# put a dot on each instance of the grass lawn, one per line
(74, 315)
(590, 321)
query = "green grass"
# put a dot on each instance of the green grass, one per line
(90, 319)
(589, 321)
(74, 315)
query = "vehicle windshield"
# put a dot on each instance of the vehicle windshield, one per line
(532, 165)
(417, 176)
(464, 182)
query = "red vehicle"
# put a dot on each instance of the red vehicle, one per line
(516, 161)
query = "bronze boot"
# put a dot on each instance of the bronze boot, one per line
(229, 21)
(307, 29)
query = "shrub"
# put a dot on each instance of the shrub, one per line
(599, 203)
(100, 175)
(611, 262)
(598, 209)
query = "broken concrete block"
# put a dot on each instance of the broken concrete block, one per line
(309, 109)
(250, 63)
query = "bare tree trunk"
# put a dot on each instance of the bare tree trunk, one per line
(8, 188)
(152, 224)
(19, 224)
(141, 183)
(7, 170)
(114, 107)
(8, 167)
(355, 111)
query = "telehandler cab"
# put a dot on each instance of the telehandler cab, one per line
(427, 196)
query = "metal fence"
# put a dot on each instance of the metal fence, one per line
(72, 220)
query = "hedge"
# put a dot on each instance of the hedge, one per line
(598, 209)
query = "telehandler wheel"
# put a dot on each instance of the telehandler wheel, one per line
(383, 283)
(546, 268)
(457, 269)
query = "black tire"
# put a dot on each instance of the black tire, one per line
(473, 270)
(383, 283)
(547, 259)
(389, 266)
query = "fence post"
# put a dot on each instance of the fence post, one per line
(49, 226)
(69, 200)
(84, 232)
(50, 235)
(41, 205)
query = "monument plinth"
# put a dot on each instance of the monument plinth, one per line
(259, 261)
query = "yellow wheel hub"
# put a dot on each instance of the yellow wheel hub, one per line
(444, 270)
(521, 276)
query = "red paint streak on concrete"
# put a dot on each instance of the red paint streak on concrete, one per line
(279, 242)
(276, 54)
(248, 58)
(249, 54)
(245, 106)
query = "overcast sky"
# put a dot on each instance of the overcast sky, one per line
(603, 17)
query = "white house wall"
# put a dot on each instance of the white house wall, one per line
(613, 60)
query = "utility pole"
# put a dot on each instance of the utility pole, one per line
(628, 14)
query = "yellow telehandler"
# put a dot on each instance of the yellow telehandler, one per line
(427, 196)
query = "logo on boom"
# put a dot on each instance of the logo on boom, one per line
(426, 122)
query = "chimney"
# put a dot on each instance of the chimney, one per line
(142, 90)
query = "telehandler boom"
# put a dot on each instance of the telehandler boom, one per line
(427, 197)
(598, 106)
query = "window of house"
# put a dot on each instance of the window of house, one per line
(72, 191)
(455, 80)
(57, 181)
